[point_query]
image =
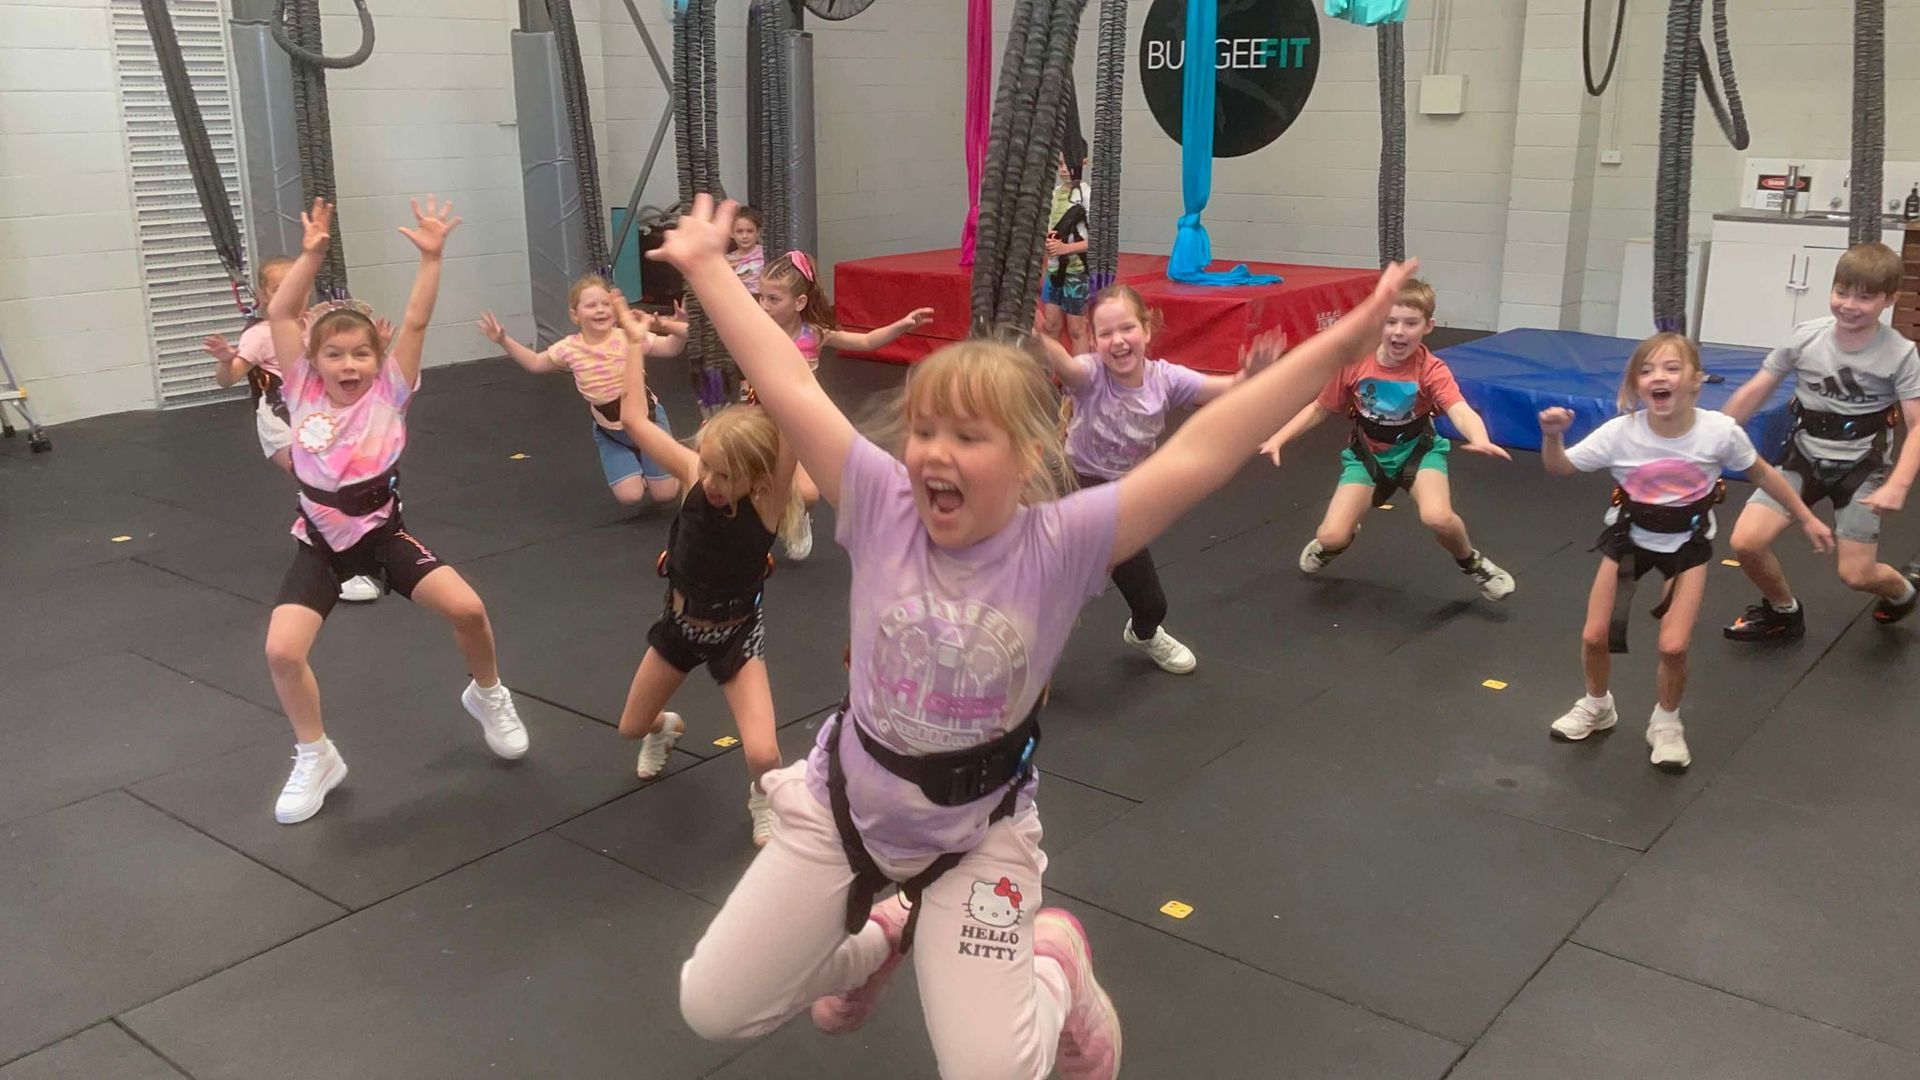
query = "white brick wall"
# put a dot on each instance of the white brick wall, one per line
(1794, 59)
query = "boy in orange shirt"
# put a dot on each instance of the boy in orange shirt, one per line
(1392, 397)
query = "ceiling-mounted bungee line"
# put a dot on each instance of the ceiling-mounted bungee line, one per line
(296, 28)
(1392, 49)
(775, 134)
(573, 89)
(696, 144)
(1869, 156)
(1023, 144)
(1109, 104)
(211, 190)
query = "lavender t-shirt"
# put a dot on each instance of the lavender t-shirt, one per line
(951, 648)
(1115, 427)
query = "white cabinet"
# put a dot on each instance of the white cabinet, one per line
(1767, 278)
(1634, 317)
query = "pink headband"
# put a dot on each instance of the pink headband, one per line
(801, 263)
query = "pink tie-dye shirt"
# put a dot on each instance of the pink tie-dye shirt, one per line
(337, 445)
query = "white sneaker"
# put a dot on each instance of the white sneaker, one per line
(1495, 583)
(802, 546)
(1168, 653)
(658, 744)
(506, 735)
(315, 772)
(762, 812)
(1315, 557)
(359, 590)
(1669, 743)
(1583, 720)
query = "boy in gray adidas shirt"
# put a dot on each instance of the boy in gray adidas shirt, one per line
(1856, 380)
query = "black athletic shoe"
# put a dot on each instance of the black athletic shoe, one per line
(1762, 623)
(1886, 612)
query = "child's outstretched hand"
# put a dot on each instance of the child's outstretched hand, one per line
(702, 232)
(314, 226)
(491, 329)
(431, 226)
(1818, 532)
(219, 348)
(1555, 421)
(1271, 448)
(917, 318)
(1261, 354)
(1490, 449)
(637, 325)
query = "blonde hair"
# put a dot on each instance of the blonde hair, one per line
(1418, 295)
(1629, 394)
(1872, 268)
(281, 263)
(749, 445)
(997, 383)
(582, 284)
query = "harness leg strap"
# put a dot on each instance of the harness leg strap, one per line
(1623, 588)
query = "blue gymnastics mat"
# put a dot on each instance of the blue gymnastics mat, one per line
(1509, 377)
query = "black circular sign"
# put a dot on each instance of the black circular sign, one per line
(1265, 58)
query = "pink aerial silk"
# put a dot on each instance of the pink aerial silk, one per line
(979, 114)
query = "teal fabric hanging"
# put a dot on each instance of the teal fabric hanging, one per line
(1368, 12)
(1192, 250)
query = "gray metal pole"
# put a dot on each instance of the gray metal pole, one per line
(804, 211)
(556, 232)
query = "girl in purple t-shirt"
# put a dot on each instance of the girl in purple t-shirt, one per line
(347, 406)
(968, 574)
(1120, 404)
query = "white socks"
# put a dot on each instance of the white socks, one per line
(1664, 718)
(1598, 704)
(1791, 607)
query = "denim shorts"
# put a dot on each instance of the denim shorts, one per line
(619, 458)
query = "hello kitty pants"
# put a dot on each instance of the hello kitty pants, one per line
(993, 1009)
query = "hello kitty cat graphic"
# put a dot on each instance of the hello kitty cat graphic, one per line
(995, 904)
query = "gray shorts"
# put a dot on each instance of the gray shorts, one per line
(1855, 521)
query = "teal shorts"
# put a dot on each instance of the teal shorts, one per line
(1353, 472)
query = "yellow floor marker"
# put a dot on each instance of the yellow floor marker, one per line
(1729, 562)
(1493, 684)
(121, 539)
(517, 457)
(1176, 909)
(726, 741)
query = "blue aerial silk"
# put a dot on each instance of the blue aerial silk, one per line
(1368, 12)
(1192, 251)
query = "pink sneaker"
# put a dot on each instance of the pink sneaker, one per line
(1090, 1039)
(838, 1014)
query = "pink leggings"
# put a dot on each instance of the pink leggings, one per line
(993, 1009)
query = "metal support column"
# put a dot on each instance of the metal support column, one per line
(802, 205)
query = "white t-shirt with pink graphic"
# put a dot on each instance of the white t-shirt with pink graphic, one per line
(335, 445)
(951, 648)
(1115, 427)
(1667, 472)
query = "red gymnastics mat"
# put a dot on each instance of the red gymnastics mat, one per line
(1205, 325)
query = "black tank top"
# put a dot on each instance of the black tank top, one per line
(716, 555)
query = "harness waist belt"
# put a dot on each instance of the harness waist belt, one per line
(1657, 517)
(265, 384)
(1394, 433)
(958, 777)
(699, 601)
(1822, 424)
(359, 499)
(1694, 518)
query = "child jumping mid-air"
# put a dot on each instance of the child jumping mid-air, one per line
(968, 574)
(597, 357)
(1392, 396)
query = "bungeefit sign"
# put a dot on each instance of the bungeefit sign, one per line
(1265, 57)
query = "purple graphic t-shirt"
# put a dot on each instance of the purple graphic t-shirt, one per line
(951, 648)
(1115, 427)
